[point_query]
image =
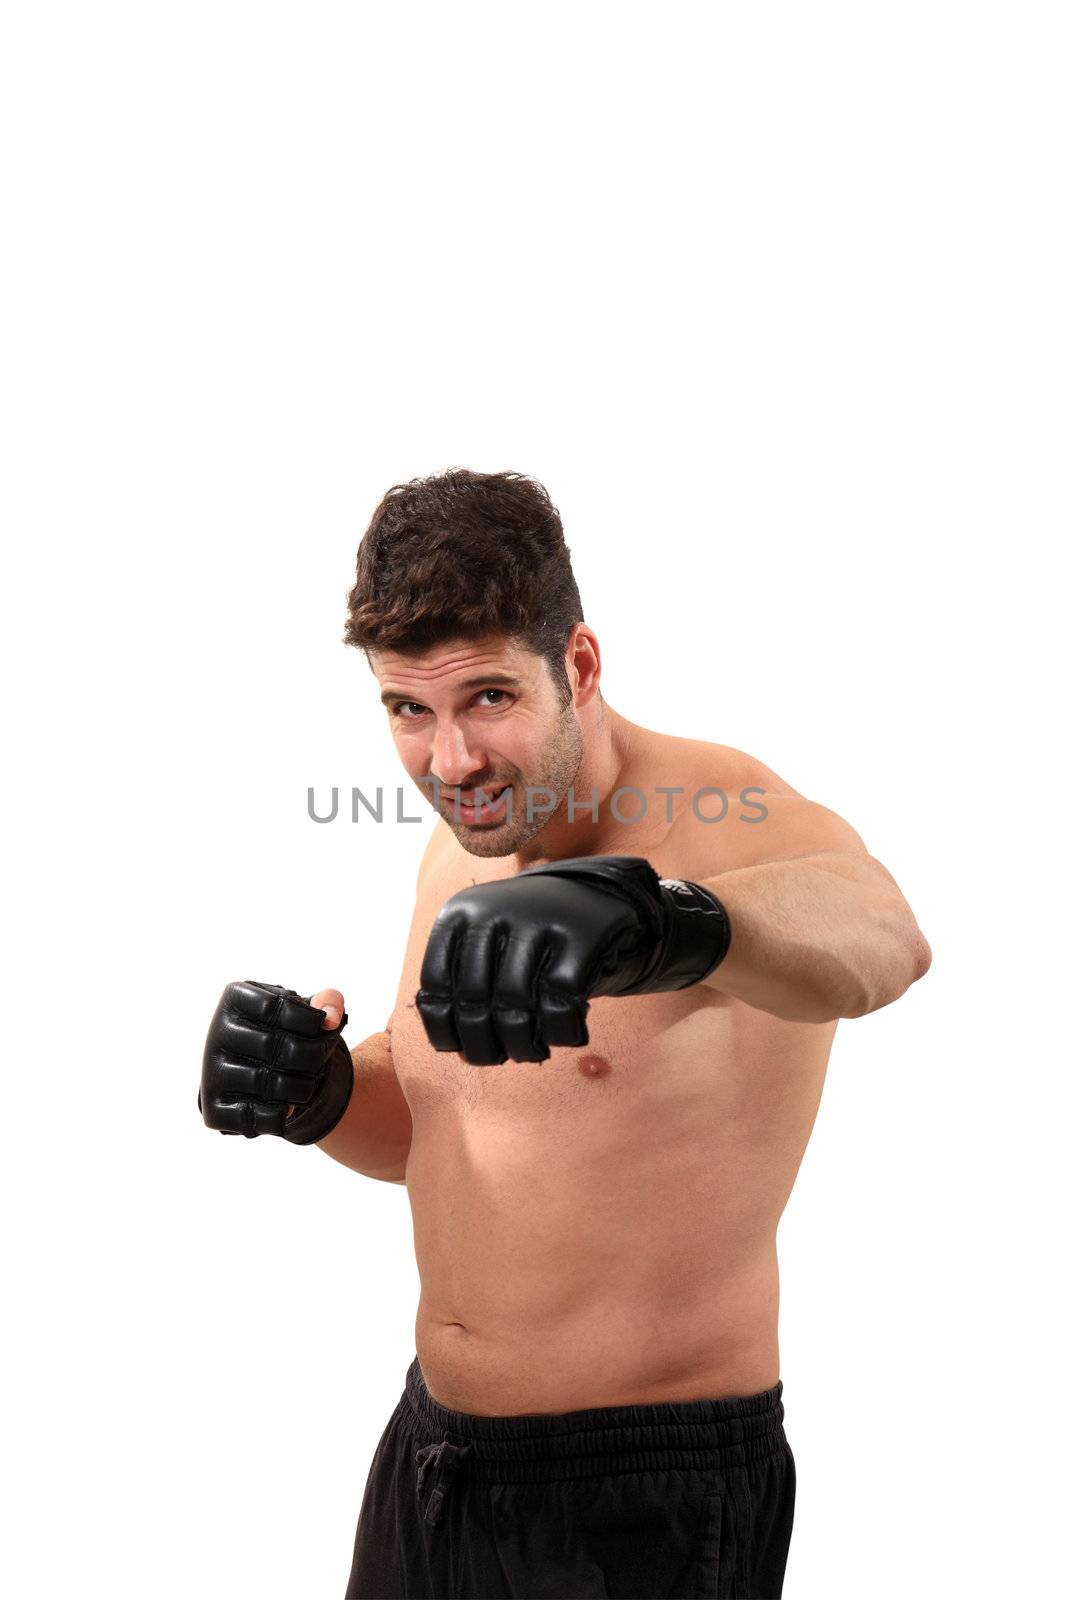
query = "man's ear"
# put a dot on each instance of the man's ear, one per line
(583, 663)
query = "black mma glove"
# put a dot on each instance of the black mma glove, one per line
(510, 967)
(266, 1050)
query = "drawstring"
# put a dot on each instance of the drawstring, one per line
(442, 1460)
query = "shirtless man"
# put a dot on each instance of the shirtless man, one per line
(597, 1083)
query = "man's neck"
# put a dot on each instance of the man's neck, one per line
(608, 742)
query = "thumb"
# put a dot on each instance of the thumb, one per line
(332, 1001)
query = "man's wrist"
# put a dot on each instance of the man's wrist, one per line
(697, 936)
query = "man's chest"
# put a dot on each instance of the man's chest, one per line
(691, 1058)
(680, 1099)
(640, 1053)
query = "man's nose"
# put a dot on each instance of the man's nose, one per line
(454, 758)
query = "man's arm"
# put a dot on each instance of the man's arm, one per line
(374, 1135)
(819, 930)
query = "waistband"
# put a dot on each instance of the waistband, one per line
(540, 1448)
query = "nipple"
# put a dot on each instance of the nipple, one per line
(593, 1066)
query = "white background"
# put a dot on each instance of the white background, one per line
(771, 299)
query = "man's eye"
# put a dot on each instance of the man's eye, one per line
(502, 693)
(408, 708)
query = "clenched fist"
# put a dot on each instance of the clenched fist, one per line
(276, 1063)
(510, 966)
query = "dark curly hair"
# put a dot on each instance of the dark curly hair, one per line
(460, 555)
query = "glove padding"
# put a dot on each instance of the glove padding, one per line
(510, 966)
(267, 1049)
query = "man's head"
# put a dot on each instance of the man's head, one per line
(467, 608)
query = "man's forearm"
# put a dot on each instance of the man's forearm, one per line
(374, 1135)
(817, 938)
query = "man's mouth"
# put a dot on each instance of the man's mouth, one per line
(492, 803)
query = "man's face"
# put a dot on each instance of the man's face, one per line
(481, 714)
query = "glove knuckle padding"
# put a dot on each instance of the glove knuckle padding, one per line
(434, 998)
(510, 966)
(267, 1049)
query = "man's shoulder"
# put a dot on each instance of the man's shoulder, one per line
(694, 764)
(737, 811)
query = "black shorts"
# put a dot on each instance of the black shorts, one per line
(689, 1498)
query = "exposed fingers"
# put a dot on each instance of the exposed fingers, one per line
(332, 1001)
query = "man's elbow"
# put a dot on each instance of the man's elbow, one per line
(909, 962)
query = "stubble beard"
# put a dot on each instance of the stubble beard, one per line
(563, 758)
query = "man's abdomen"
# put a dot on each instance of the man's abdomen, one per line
(558, 1275)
